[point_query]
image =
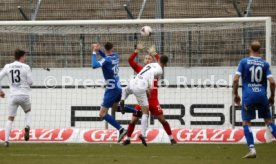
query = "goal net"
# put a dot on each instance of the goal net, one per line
(195, 92)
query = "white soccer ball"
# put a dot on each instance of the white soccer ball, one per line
(146, 31)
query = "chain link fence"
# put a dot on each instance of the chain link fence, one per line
(110, 9)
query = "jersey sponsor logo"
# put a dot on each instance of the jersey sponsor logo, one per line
(256, 89)
(16, 66)
(255, 62)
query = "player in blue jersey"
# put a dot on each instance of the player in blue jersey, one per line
(254, 72)
(110, 67)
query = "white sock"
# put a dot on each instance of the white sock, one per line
(8, 130)
(28, 118)
(171, 137)
(145, 124)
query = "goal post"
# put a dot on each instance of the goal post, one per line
(267, 20)
(196, 92)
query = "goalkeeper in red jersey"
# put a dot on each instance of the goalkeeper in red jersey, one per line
(154, 106)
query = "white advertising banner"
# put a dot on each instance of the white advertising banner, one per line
(72, 135)
(196, 102)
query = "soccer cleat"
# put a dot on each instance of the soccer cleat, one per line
(139, 113)
(27, 133)
(122, 133)
(268, 135)
(126, 142)
(143, 139)
(173, 142)
(6, 144)
(122, 105)
(251, 154)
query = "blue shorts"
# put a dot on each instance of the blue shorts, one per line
(249, 111)
(111, 96)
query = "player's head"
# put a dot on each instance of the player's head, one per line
(108, 48)
(255, 47)
(163, 60)
(148, 59)
(20, 55)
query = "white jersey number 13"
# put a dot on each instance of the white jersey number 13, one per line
(15, 76)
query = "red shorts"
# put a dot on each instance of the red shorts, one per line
(154, 108)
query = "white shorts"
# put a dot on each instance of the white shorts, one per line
(139, 92)
(19, 100)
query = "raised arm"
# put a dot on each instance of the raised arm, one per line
(157, 57)
(101, 53)
(135, 66)
(152, 51)
(94, 62)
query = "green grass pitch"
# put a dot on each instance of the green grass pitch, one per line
(134, 154)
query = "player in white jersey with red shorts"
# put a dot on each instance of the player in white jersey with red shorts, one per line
(20, 80)
(142, 85)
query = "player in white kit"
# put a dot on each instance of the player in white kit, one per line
(20, 80)
(141, 87)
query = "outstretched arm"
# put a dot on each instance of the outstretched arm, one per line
(135, 66)
(152, 51)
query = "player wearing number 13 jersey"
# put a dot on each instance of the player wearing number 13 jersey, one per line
(254, 72)
(20, 80)
(110, 67)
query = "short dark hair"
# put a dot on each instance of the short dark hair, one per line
(108, 46)
(255, 46)
(18, 53)
(164, 59)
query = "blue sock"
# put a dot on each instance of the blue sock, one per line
(272, 128)
(112, 121)
(130, 110)
(249, 136)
